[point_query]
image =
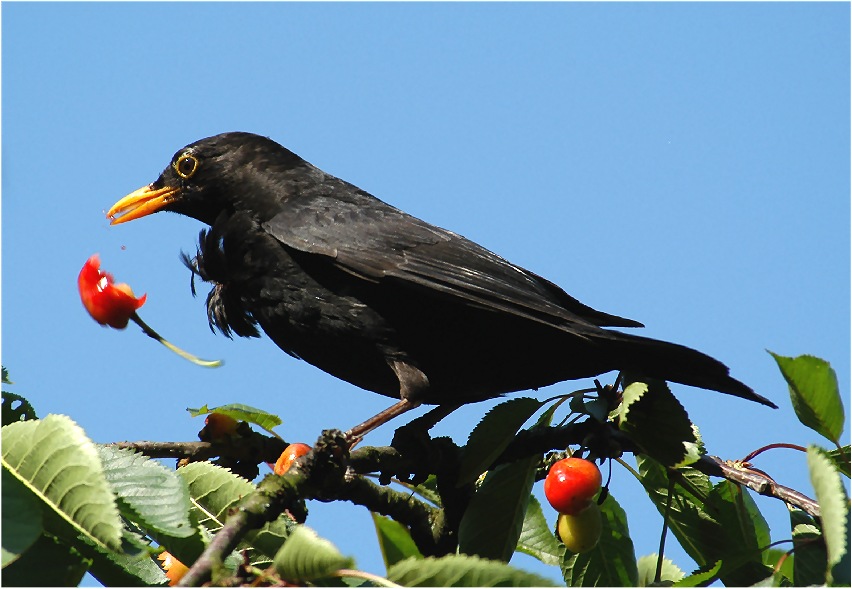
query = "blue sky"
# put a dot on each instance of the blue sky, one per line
(684, 165)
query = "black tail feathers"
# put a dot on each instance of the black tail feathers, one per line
(676, 363)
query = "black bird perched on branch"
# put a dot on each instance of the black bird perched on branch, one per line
(381, 299)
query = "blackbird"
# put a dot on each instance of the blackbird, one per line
(381, 299)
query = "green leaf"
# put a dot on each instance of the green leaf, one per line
(834, 507)
(305, 557)
(491, 436)
(132, 567)
(394, 540)
(48, 563)
(5, 374)
(746, 531)
(460, 570)
(739, 515)
(56, 461)
(612, 563)
(774, 556)
(728, 529)
(698, 533)
(22, 518)
(702, 577)
(658, 423)
(537, 538)
(840, 457)
(546, 417)
(647, 566)
(16, 408)
(214, 491)
(148, 493)
(492, 523)
(811, 560)
(187, 550)
(241, 412)
(814, 394)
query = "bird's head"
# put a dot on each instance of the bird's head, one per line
(224, 173)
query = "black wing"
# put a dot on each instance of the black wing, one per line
(375, 241)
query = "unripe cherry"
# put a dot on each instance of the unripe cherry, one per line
(581, 532)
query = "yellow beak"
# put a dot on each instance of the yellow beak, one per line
(140, 203)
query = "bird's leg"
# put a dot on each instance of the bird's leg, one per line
(411, 382)
(398, 408)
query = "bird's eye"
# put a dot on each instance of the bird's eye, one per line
(186, 165)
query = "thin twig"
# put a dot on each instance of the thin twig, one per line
(760, 484)
(771, 447)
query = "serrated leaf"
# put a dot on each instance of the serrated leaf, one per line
(546, 417)
(694, 450)
(131, 567)
(647, 567)
(698, 533)
(460, 570)
(394, 540)
(738, 514)
(537, 538)
(492, 435)
(22, 518)
(657, 422)
(48, 563)
(746, 533)
(242, 412)
(701, 577)
(55, 460)
(833, 504)
(814, 394)
(492, 523)
(727, 529)
(612, 563)
(187, 550)
(16, 408)
(149, 494)
(811, 560)
(841, 459)
(215, 490)
(305, 557)
(5, 374)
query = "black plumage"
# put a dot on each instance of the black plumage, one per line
(382, 299)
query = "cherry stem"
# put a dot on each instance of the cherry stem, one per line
(773, 446)
(377, 580)
(149, 331)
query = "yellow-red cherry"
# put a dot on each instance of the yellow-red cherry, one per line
(290, 454)
(571, 484)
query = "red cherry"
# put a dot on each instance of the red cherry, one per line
(571, 485)
(108, 303)
(290, 453)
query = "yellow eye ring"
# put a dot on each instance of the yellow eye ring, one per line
(186, 165)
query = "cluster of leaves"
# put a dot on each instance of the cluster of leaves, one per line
(109, 511)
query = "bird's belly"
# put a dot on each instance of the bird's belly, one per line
(356, 331)
(467, 354)
(338, 334)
